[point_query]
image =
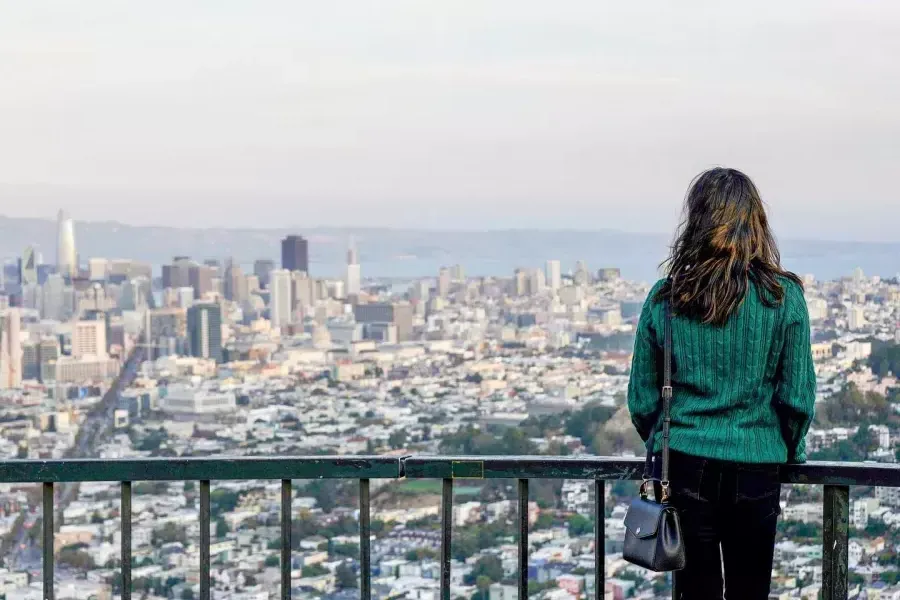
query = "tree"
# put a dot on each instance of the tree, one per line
(345, 577)
(221, 528)
(169, 533)
(489, 568)
(314, 571)
(271, 560)
(544, 521)
(76, 558)
(187, 594)
(397, 439)
(580, 525)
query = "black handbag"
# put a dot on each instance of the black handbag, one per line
(653, 537)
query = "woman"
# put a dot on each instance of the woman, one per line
(743, 384)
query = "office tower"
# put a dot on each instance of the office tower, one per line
(184, 297)
(458, 273)
(520, 282)
(200, 278)
(280, 305)
(397, 314)
(554, 274)
(66, 260)
(262, 268)
(204, 324)
(49, 354)
(28, 267)
(537, 283)
(177, 274)
(857, 319)
(54, 299)
(354, 272)
(295, 253)
(89, 339)
(608, 274)
(10, 349)
(235, 283)
(135, 294)
(818, 308)
(582, 275)
(303, 292)
(98, 269)
(31, 361)
(252, 284)
(443, 284)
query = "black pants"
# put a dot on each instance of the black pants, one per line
(728, 514)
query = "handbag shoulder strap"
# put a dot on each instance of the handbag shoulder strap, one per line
(666, 396)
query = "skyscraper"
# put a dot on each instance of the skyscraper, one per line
(262, 268)
(200, 278)
(280, 305)
(28, 267)
(354, 272)
(443, 284)
(10, 350)
(66, 260)
(295, 253)
(177, 274)
(235, 283)
(204, 323)
(554, 274)
(89, 339)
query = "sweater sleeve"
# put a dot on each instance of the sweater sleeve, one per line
(644, 383)
(795, 394)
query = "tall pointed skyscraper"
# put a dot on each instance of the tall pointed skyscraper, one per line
(354, 272)
(66, 261)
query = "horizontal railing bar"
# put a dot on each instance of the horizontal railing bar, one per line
(384, 467)
(546, 467)
(197, 469)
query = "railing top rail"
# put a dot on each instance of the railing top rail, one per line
(199, 469)
(545, 467)
(386, 467)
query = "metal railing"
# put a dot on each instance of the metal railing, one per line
(835, 477)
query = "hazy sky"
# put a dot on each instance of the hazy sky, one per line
(449, 113)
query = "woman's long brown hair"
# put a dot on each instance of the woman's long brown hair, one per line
(723, 243)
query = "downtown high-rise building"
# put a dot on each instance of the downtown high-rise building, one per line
(235, 283)
(200, 278)
(177, 274)
(353, 280)
(263, 268)
(443, 283)
(28, 274)
(295, 253)
(66, 258)
(204, 325)
(10, 349)
(280, 298)
(89, 339)
(554, 274)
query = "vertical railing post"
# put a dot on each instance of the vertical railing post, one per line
(48, 540)
(204, 540)
(126, 540)
(365, 536)
(599, 539)
(523, 539)
(836, 517)
(286, 539)
(446, 523)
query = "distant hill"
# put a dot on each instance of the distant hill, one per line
(408, 253)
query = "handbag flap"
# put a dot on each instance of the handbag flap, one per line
(643, 517)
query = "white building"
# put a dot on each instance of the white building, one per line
(66, 259)
(280, 300)
(89, 339)
(186, 399)
(856, 318)
(554, 274)
(354, 272)
(10, 349)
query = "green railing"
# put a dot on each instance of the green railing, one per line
(835, 477)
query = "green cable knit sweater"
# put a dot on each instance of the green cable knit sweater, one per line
(743, 391)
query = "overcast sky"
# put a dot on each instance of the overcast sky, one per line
(449, 113)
